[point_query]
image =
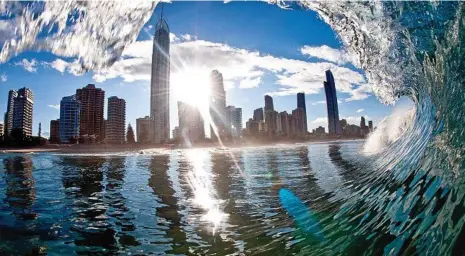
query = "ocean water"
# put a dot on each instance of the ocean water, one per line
(252, 201)
(400, 193)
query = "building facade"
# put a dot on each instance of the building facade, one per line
(258, 114)
(301, 105)
(191, 124)
(298, 118)
(252, 127)
(8, 119)
(54, 131)
(234, 121)
(116, 121)
(92, 103)
(160, 84)
(270, 116)
(176, 133)
(334, 127)
(217, 106)
(23, 111)
(70, 116)
(268, 103)
(284, 121)
(143, 126)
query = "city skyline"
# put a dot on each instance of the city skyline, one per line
(25, 67)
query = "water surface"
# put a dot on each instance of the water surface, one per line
(197, 201)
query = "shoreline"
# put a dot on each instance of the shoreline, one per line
(107, 148)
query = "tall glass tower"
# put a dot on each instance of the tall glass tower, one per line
(217, 106)
(160, 84)
(301, 105)
(334, 126)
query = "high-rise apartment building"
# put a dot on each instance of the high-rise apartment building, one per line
(70, 116)
(268, 103)
(234, 121)
(160, 84)
(299, 122)
(54, 131)
(283, 123)
(191, 124)
(1, 129)
(23, 111)
(334, 127)
(8, 120)
(370, 126)
(301, 104)
(176, 133)
(217, 106)
(252, 128)
(270, 116)
(258, 114)
(143, 129)
(116, 121)
(92, 102)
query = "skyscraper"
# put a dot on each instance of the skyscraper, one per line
(143, 126)
(258, 114)
(298, 121)
(268, 103)
(116, 120)
(217, 106)
(54, 131)
(8, 121)
(191, 124)
(301, 104)
(370, 126)
(23, 111)
(334, 127)
(270, 116)
(70, 116)
(92, 102)
(234, 121)
(284, 121)
(160, 84)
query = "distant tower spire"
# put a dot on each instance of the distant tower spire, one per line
(161, 16)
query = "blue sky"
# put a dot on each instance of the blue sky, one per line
(259, 48)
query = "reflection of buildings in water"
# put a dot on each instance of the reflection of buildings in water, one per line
(82, 179)
(20, 187)
(117, 208)
(223, 169)
(161, 184)
(349, 170)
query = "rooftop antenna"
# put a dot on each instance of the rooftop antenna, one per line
(161, 17)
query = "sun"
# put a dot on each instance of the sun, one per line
(192, 86)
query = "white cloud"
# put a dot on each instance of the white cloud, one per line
(324, 102)
(71, 67)
(361, 93)
(7, 31)
(173, 38)
(30, 66)
(360, 110)
(320, 120)
(325, 52)
(57, 106)
(250, 82)
(3, 78)
(240, 67)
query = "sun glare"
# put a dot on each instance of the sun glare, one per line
(192, 86)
